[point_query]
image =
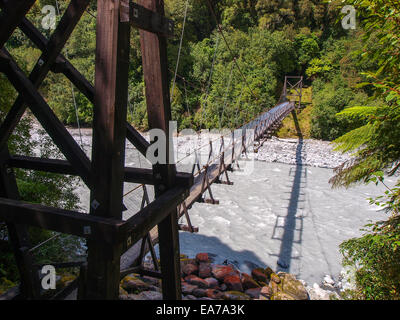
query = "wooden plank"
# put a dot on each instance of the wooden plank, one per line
(155, 70)
(50, 53)
(151, 21)
(108, 150)
(11, 15)
(48, 119)
(60, 220)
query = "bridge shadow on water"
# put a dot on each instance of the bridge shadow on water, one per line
(291, 230)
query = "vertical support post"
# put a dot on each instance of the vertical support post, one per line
(108, 151)
(285, 88)
(18, 234)
(155, 69)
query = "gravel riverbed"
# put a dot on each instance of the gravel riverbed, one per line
(282, 214)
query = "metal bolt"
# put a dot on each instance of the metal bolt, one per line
(136, 13)
(40, 62)
(95, 204)
(129, 241)
(87, 230)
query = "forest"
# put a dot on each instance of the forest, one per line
(224, 79)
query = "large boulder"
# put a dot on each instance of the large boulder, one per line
(294, 287)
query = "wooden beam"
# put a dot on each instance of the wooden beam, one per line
(157, 211)
(62, 65)
(57, 131)
(60, 220)
(11, 15)
(155, 70)
(142, 18)
(50, 53)
(132, 175)
(108, 150)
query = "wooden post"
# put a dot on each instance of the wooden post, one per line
(155, 69)
(108, 151)
(18, 234)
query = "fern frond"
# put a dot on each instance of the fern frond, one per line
(358, 112)
(354, 139)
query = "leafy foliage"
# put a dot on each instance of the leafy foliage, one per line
(376, 147)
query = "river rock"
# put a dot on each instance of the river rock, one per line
(235, 295)
(199, 293)
(266, 291)
(282, 296)
(202, 257)
(188, 288)
(248, 282)
(253, 292)
(212, 282)
(189, 269)
(194, 280)
(132, 284)
(233, 283)
(214, 294)
(204, 270)
(275, 278)
(294, 287)
(220, 271)
(260, 274)
(150, 295)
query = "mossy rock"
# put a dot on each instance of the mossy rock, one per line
(235, 295)
(294, 288)
(268, 271)
(282, 296)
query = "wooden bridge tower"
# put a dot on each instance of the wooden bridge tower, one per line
(108, 236)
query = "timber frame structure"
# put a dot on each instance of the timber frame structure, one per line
(107, 235)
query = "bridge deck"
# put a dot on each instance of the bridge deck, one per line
(268, 120)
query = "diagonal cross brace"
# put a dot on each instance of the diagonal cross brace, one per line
(62, 65)
(53, 48)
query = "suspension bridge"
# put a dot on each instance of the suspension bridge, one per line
(108, 236)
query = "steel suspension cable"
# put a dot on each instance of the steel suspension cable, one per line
(73, 91)
(180, 48)
(226, 97)
(209, 82)
(229, 48)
